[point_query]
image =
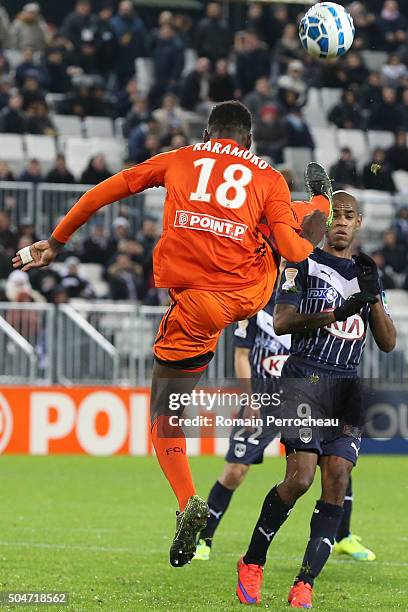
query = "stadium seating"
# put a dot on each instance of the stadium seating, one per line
(78, 153)
(12, 150)
(401, 180)
(68, 125)
(297, 159)
(313, 109)
(42, 148)
(380, 138)
(330, 97)
(99, 127)
(356, 141)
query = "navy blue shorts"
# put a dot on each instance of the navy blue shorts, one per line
(309, 390)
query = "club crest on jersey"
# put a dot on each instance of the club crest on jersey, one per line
(305, 434)
(239, 450)
(274, 364)
(290, 275)
(352, 329)
(329, 294)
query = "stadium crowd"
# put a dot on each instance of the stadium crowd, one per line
(85, 66)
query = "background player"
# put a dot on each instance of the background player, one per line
(215, 262)
(320, 374)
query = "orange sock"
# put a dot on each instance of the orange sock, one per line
(170, 446)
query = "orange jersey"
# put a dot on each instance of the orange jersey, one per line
(217, 193)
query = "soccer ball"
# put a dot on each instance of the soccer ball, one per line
(327, 30)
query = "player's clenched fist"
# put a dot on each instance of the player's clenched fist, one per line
(38, 255)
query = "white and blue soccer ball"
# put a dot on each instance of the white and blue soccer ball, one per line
(327, 30)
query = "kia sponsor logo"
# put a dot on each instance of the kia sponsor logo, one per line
(274, 364)
(352, 329)
(208, 223)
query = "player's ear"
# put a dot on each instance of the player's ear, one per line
(206, 136)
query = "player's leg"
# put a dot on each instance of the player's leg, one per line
(348, 543)
(325, 521)
(300, 471)
(218, 501)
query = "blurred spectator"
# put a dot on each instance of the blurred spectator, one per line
(288, 47)
(87, 99)
(344, 172)
(59, 296)
(78, 23)
(96, 171)
(38, 120)
(45, 280)
(97, 247)
(213, 38)
(393, 71)
(346, 114)
(121, 232)
(131, 38)
(178, 141)
(105, 39)
(293, 81)
(125, 278)
(137, 114)
(252, 62)
(4, 27)
(127, 97)
(137, 139)
(377, 173)
(8, 237)
(397, 155)
(394, 253)
(168, 62)
(258, 21)
(148, 234)
(386, 279)
(298, 133)
(29, 67)
(27, 230)
(12, 118)
(387, 115)
(195, 85)
(400, 225)
(404, 110)
(392, 25)
(60, 173)
(170, 116)
(57, 78)
(19, 289)
(280, 18)
(353, 71)
(371, 91)
(28, 29)
(5, 172)
(74, 284)
(261, 95)
(31, 90)
(32, 173)
(222, 83)
(270, 133)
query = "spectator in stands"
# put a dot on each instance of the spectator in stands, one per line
(30, 67)
(168, 63)
(12, 117)
(29, 29)
(288, 48)
(4, 28)
(387, 115)
(137, 139)
(96, 171)
(26, 230)
(105, 39)
(377, 173)
(77, 22)
(392, 25)
(293, 81)
(19, 289)
(131, 38)
(31, 90)
(148, 234)
(121, 233)
(195, 85)
(270, 133)
(404, 109)
(213, 38)
(400, 225)
(125, 278)
(344, 172)
(261, 95)
(280, 18)
(364, 22)
(45, 281)
(38, 119)
(32, 173)
(137, 115)
(347, 113)
(74, 284)
(298, 133)
(222, 83)
(56, 75)
(86, 59)
(170, 116)
(252, 62)
(258, 21)
(5, 172)
(387, 280)
(371, 91)
(97, 247)
(397, 155)
(177, 141)
(394, 253)
(353, 71)
(59, 296)
(8, 237)
(393, 71)
(60, 173)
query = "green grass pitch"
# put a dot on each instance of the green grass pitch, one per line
(100, 529)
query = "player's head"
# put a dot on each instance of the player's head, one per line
(346, 221)
(230, 120)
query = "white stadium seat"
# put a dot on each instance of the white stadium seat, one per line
(401, 180)
(296, 159)
(100, 127)
(357, 142)
(380, 138)
(68, 125)
(374, 60)
(12, 151)
(327, 149)
(312, 111)
(144, 73)
(78, 152)
(112, 149)
(330, 97)
(42, 148)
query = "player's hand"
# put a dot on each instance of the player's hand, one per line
(314, 227)
(43, 253)
(367, 274)
(353, 305)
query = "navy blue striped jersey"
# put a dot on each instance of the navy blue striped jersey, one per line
(267, 351)
(323, 282)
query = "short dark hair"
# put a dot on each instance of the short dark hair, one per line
(230, 116)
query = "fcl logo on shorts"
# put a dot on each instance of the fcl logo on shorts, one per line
(208, 223)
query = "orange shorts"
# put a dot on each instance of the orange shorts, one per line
(189, 331)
